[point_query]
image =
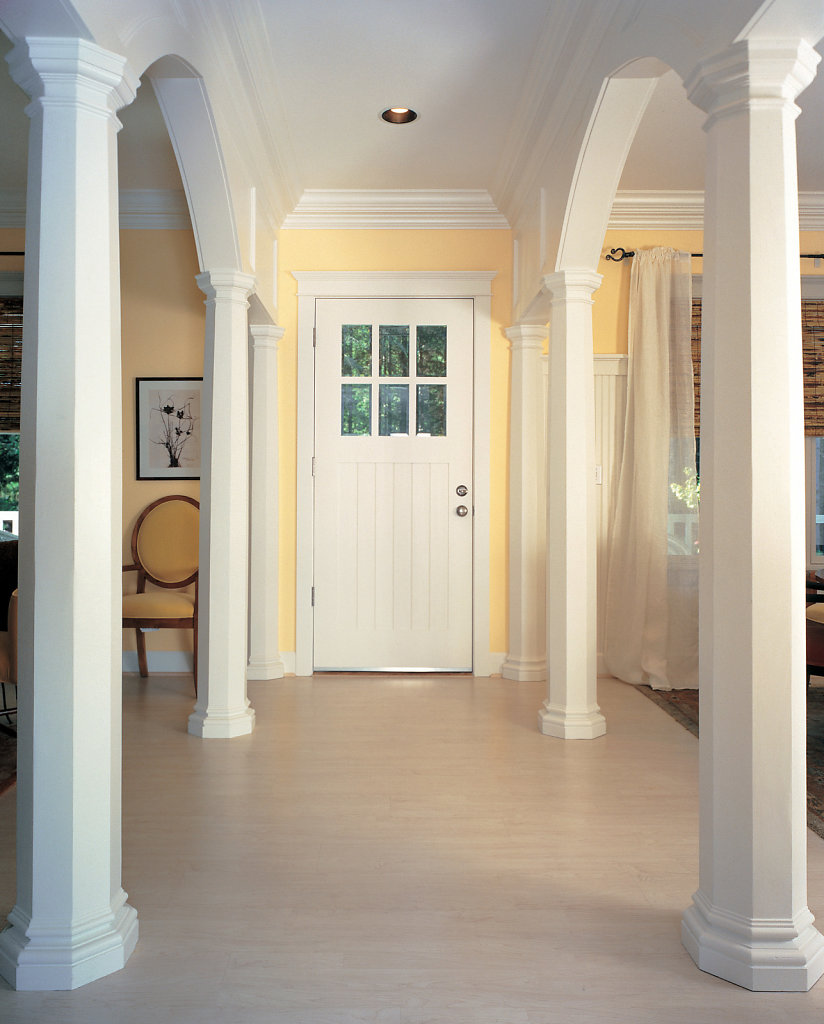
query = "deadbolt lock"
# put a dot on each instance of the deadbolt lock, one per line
(461, 491)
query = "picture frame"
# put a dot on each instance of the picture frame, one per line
(168, 427)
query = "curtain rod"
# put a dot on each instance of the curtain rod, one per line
(625, 254)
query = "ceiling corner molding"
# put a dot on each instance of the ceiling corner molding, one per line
(683, 210)
(395, 208)
(142, 208)
(811, 211)
(12, 207)
(658, 210)
(155, 209)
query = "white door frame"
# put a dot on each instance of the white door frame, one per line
(474, 284)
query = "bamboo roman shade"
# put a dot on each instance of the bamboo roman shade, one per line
(812, 339)
(812, 344)
(11, 352)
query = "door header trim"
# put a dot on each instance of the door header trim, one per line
(418, 284)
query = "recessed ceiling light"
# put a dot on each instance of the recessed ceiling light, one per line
(399, 115)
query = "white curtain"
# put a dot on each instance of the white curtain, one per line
(652, 589)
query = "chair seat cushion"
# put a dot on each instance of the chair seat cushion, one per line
(158, 605)
(815, 612)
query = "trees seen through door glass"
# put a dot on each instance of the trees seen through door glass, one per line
(402, 397)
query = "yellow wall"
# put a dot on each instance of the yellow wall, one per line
(163, 319)
(396, 250)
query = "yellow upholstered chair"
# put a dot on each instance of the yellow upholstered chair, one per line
(164, 553)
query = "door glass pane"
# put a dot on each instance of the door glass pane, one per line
(431, 361)
(394, 351)
(432, 409)
(356, 350)
(393, 409)
(355, 409)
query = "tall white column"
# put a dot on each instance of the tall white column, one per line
(71, 923)
(222, 709)
(571, 709)
(749, 921)
(526, 658)
(264, 653)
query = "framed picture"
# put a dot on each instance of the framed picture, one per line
(168, 427)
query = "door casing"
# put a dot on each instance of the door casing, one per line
(313, 285)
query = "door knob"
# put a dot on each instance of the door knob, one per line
(462, 510)
(461, 491)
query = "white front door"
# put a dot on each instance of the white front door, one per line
(393, 484)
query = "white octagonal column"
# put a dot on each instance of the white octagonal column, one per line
(222, 710)
(526, 658)
(571, 709)
(749, 921)
(71, 923)
(264, 653)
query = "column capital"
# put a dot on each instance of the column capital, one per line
(266, 335)
(752, 73)
(226, 284)
(523, 336)
(572, 285)
(73, 70)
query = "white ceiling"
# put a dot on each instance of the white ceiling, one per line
(323, 72)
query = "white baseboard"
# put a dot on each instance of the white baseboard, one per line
(179, 661)
(159, 661)
(491, 664)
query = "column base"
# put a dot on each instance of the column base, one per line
(221, 725)
(524, 669)
(264, 669)
(554, 720)
(767, 955)
(48, 958)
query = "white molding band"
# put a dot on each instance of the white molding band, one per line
(155, 209)
(396, 208)
(161, 662)
(652, 210)
(313, 285)
(669, 210)
(140, 209)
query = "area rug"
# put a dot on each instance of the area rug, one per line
(682, 705)
(8, 759)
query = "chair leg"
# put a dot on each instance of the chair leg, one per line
(141, 653)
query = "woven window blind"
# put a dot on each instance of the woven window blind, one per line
(812, 344)
(11, 353)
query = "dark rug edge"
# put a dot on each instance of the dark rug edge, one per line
(814, 823)
(670, 708)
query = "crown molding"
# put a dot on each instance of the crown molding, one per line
(154, 209)
(684, 210)
(395, 208)
(140, 208)
(658, 210)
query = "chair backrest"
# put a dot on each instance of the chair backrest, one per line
(165, 540)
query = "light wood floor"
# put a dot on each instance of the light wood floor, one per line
(406, 851)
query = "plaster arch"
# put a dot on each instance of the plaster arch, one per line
(614, 120)
(184, 104)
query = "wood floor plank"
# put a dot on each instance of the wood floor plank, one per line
(387, 850)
